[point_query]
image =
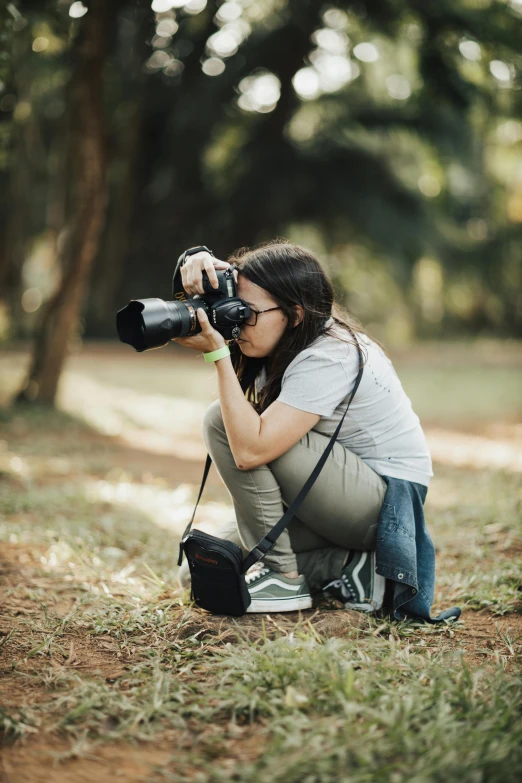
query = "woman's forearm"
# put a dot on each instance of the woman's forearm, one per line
(242, 423)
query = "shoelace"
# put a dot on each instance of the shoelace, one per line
(347, 591)
(256, 574)
(348, 588)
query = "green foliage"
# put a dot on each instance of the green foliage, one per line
(497, 590)
(15, 724)
(410, 155)
(365, 708)
(8, 14)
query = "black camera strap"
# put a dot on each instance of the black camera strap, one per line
(177, 287)
(269, 541)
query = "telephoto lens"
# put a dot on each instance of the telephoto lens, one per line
(152, 323)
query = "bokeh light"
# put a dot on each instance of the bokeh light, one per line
(40, 44)
(429, 185)
(166, 27)
(31, 300)
(398, 87)
(306, 83)
(77, 10)
(509, 132)
(470, 50)
(260, 92)
(366, 52)
(228, 12)
(334, 70)
(335, 18)
(331, 41)
(501, 71)
(226, 41)
(223, 43)
(162, 6)
(159, 60)
(214, 66)
(194, 7)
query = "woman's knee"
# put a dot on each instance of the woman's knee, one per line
(212, 418)
(290, 458)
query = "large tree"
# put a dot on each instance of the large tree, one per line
(87, 191)
(396, 160)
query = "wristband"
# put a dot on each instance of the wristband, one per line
(213, 356)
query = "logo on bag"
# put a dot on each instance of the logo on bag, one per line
(206, 559)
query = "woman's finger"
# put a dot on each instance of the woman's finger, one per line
(203, 320)
(195, 266)
(190, 279)
(184, 277)
(211, 272)
(192, 272)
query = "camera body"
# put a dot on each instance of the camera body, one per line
(152, 323)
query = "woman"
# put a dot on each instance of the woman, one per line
(298, 356)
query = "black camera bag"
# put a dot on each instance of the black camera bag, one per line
(217, 567)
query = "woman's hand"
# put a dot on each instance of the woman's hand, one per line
(192, 272)
(209, 339)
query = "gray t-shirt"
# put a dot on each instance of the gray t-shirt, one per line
(380, 426)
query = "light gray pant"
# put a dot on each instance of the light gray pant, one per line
(340, 512)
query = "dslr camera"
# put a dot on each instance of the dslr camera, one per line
(152, 323)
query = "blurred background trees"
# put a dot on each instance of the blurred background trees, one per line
(386, 135)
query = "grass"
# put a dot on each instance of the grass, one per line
(389, 699)
(365, 708)
(100, 650)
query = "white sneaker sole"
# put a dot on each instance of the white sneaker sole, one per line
(379, 585)
(280, 604)
(360, 607)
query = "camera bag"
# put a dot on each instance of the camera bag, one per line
(217, 567)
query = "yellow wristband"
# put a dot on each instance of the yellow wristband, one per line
(213, 356)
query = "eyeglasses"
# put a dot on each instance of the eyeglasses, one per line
(254, 313)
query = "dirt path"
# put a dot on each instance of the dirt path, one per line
(97, 493)
(46, 754)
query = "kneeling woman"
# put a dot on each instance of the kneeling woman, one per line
(361, 527)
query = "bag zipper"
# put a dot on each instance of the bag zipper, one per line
(212, 546)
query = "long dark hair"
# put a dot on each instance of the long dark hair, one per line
(292, 276)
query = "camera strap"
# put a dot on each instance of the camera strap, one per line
(269, 541)
(177, 286)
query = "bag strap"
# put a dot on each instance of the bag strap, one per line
(205, 474)
(269, 541)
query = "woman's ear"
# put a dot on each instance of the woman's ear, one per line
(299, 315)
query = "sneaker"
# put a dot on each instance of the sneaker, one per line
(359, 587)
(273, 592)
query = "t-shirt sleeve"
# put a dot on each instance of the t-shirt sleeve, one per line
(316, 383)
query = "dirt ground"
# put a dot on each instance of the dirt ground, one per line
(483, 637)
(48, 754)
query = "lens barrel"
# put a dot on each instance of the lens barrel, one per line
(151, 323)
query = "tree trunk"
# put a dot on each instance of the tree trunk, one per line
(87, 208)
(129, 90)
(115, 241)
(18, 142)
